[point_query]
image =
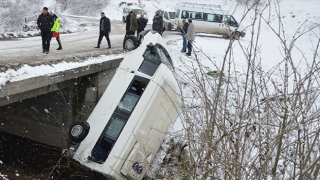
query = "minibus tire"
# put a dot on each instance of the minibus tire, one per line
(130, 43)
(81, 132)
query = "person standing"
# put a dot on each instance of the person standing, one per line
(133, 23)
(184, 32)
(56, 28)
(157, 24)
(105, 30)
(190, 36)
(45, 23)
(128, 20)
(142, 23)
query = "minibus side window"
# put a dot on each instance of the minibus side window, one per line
(118, 120)
(192, 15)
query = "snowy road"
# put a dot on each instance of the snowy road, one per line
(21, 51)
(28, 50)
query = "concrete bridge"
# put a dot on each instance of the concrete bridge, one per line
(43, 108)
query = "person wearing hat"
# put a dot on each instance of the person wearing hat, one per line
(190, 36)
(56, 28)
(45, 22)
(157, 24)
(105, 30)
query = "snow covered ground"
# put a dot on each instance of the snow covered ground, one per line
(27, 71)
(294, 14)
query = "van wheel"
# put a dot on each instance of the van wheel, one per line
(235, 35)
(226, 37)
(130, 43)
(169, 27)
(78, 131)
(123, 20)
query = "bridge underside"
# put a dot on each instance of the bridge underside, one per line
(45, 113)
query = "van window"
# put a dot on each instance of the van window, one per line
(140, 11)
(230, 20)
(213, 18)
(166, 15)
(150, 64)
(118, 120)
(192, 15)
(172, 15)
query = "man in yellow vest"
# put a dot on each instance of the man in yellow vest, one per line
(55, 29)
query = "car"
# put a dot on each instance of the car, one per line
(126, 12)
(128, 125)
(168, 17)
(209, 18)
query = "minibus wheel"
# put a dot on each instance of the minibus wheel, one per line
(78, 131)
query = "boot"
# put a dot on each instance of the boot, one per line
(59, 48)
(97, 46)
(47, 51)
(43, 51)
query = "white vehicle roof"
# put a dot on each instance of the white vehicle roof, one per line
(134, 7)
(206, 8)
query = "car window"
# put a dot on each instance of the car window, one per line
(166, 15)
(172, 15)
(140, 11)
(230, 20)
(150, 64)
(192, 15)
(213, 18)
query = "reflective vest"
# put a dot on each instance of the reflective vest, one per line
(56, 26)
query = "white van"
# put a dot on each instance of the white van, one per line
(168, 17)
(208, 19)
(127, 126)
(126, 12)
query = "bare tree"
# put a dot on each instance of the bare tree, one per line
(250, 125)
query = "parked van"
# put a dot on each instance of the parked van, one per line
(126, 12)
(168, 17)
(208, 19)
(126, 128)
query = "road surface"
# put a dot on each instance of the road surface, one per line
(80, 45)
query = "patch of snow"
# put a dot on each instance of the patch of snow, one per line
(26, 71)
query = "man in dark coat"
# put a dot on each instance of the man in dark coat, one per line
(133, 23)
(128, 20)
(157, 24)
(105, 30)
(142, 23)
(184, 33)
(45, 23)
